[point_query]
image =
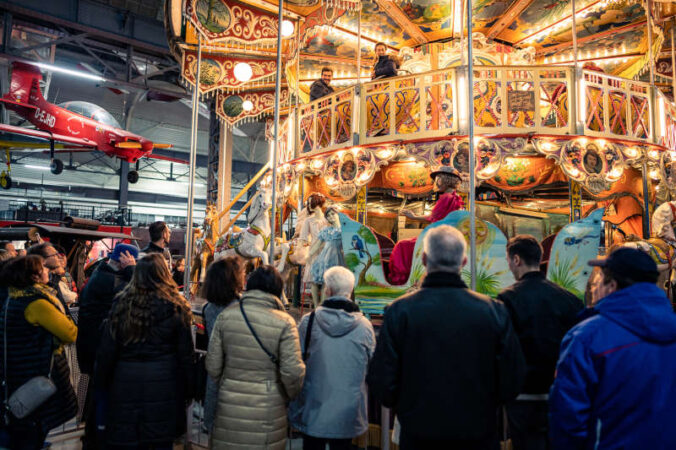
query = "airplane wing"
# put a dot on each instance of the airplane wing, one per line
(167, 158)
(45, 135)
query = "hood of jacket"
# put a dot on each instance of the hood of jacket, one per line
(643, 309)
(260, 298)
(334, 319)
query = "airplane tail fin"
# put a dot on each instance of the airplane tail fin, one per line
(25, 84)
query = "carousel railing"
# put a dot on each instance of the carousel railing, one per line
(326, 123)
(509, 99)
(616, 107)
(409, 107)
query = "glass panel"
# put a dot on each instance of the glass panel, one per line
(639, 117)
(377, 115)
(487, 104)
(618, 112)
(343, 127)
(554, 104)
(323, 127)
(439, 107)
(594, 108)
(407, 110)
(520, 104)
(307, 134)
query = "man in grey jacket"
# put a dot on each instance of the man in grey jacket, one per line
(337, 342)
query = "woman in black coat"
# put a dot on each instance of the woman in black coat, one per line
(144, 361)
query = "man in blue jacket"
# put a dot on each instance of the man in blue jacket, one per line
(615, 385)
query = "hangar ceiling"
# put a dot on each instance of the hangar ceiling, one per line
(130, 70)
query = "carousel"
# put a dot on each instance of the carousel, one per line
(552, 118)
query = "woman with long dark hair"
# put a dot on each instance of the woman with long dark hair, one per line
(35, 327)
(223, 284)
(144, 360)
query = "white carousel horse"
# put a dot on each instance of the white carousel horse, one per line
(254, 240)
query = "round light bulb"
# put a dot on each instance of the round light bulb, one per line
(247, 105)
(287, 28)
(243, 72)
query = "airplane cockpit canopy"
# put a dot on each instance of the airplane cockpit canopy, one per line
(91, 111)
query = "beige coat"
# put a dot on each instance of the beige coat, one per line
(253, 392)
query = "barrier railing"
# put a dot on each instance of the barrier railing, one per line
(327, 123)
(507, 99)
(523, 99)
(413, 106)
(616, 107)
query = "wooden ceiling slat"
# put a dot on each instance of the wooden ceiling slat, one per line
(392, 10)
(508, 17)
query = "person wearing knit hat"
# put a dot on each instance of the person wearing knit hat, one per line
(122, 248)
(96, 300)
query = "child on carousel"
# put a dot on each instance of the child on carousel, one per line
(446, 180)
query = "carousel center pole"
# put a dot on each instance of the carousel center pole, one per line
(673, 62)
(275, 151)
(574, 33)
(472, 157)
(193, 162)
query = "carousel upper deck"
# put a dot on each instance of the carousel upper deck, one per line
(594, 125)
(547, 102)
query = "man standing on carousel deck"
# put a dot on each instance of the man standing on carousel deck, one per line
(322, 87)
(446, 356)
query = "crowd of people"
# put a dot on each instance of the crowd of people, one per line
(446, 359)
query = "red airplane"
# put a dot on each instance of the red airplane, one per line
(83, 125)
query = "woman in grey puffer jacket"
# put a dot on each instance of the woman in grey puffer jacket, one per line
(257, 378)
(223, 284)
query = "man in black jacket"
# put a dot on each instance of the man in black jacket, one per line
(385, 66)
(96, 301)
(446, 356)
(322, 87)
(160, 237)
(542, 313)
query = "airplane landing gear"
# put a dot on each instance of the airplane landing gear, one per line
(132, 176)
(5, 180)
(56, 166)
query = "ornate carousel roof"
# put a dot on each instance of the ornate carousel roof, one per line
(611, 34)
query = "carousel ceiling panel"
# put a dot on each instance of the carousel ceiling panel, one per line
(487, 12)
(595, 23)
(376, 25)
(624, 42)
(538, 15)
(431, 16)
(330, 43)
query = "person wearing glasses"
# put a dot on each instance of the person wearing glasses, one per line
(52, 261)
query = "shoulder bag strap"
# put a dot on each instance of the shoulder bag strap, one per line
(272, 357)
(308, 333)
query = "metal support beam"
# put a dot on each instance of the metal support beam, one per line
(213, 156)
(6, 32)
(123, 191)
(94, 18)
(59, 41)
